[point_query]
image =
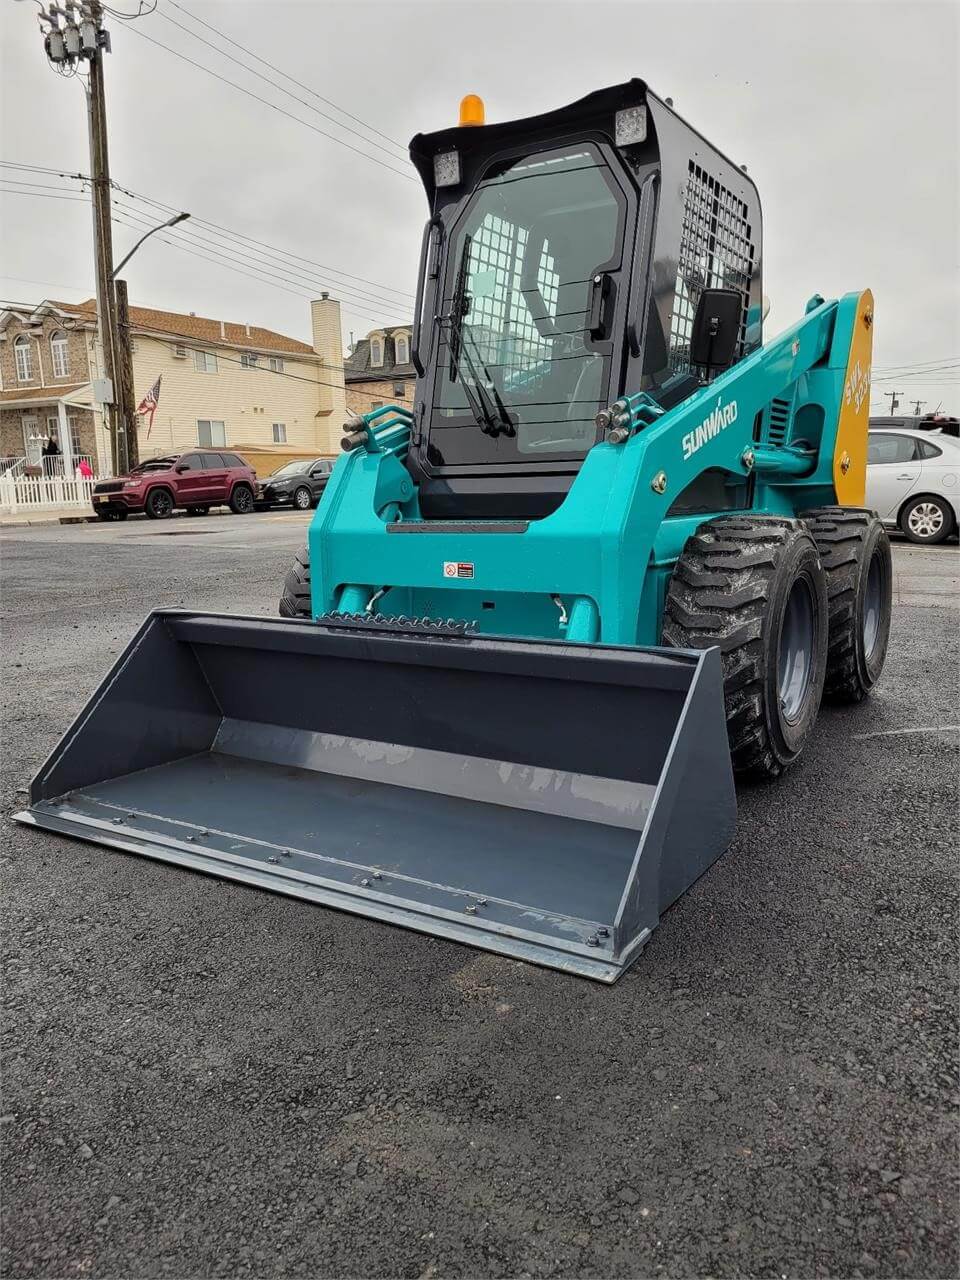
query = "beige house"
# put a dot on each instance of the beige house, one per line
(378, 370)
(221, 383)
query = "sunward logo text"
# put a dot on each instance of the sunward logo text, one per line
(721, 418)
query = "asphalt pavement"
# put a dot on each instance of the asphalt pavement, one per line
(200, 1079)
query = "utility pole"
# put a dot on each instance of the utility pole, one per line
(917, 406)
(894, 402)
(125, 396)
(80, 36)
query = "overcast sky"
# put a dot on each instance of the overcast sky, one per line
(845, 113)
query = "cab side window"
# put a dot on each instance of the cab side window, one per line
(928, 450)
(891, 448)
(190, 462)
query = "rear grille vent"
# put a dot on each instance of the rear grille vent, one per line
(779, 421)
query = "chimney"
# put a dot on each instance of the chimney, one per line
(328, 344)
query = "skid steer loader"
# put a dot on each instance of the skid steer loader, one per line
(613, 552)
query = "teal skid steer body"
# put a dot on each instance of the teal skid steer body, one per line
(612, 552)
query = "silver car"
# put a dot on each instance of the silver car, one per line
(913, 482)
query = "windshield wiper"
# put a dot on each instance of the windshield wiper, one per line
(492, 418)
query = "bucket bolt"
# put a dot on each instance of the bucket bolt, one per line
(748, 458)
(659, 482)
(844, 463)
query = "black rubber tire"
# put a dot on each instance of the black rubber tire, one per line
(106, 515)
(302, 498)
(159, 504)
(295, 599)
(241, 500)
(942, 534)
(121, 514)
(851, 542)
(731, 587)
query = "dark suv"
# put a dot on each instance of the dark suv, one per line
(297, 484)
(197, 481)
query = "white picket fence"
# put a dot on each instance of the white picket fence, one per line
(26, 494)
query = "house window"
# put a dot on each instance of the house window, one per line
(210, 433)
(24, 359)
(205, 361)
(398, 389)
(376, 352)
(53, 431)
(248, 360)
(58, 354)
(376, 404)
(276, 364)
(279, 433)
(403, 350)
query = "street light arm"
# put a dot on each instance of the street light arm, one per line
(171, 222)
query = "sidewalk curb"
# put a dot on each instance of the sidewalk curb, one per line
(14, 522)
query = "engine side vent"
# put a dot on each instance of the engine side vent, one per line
(717, 251)
(778, 422)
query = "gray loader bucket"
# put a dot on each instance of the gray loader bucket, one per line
(546, 801)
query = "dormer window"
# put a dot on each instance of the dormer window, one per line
(376, 353)
(402, 345)
(58, 353)
(24, 358)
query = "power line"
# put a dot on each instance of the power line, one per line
(273, 106)
(280, 88)
(238, 235)
(216, 242)
(264, 278)
(37, 168)
(233, 264)
(286, 75)
(356, 304)
(297, 258)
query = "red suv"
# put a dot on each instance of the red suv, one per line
(198, 480)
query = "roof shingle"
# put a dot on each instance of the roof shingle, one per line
(197, 327)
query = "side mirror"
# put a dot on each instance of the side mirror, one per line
(716, 328)
(181, 467)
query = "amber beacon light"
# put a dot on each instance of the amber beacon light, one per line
(471, 110)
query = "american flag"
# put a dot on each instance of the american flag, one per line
(149, 403)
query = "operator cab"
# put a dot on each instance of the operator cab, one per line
(560, 269)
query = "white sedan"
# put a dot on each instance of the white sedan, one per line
(913, 482)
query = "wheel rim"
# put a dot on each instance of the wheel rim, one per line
(925, 520)
(162, 503)
(795, 660)
(244, 500)
(302, 499)
(872, 606)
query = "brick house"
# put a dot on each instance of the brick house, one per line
(47, 365)
(378, 370)
(221, 383)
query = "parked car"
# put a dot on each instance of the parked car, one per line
(196, 481)
(913, 481)
(297, 484)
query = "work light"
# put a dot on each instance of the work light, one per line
(630, 126)
(446, 168)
